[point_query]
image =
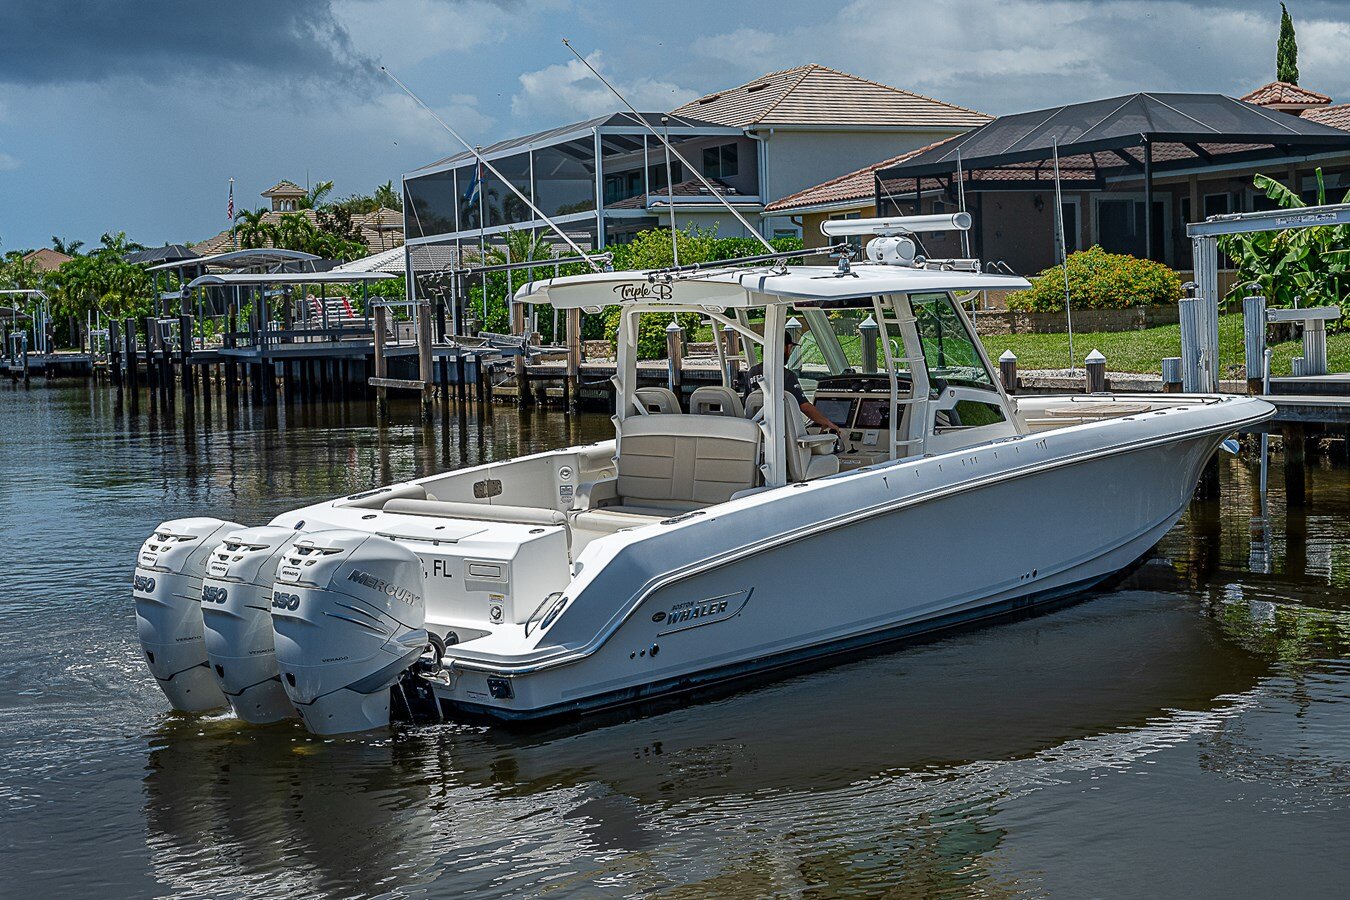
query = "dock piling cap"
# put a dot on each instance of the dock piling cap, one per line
(1008, 356)
(1096, 356)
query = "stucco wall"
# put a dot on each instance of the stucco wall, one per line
(800, 159)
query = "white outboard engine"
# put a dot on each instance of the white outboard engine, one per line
(348, 613)
(237, 615)
(167, 588)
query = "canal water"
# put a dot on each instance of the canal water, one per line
(1187, 732)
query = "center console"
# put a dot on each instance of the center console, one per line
(860, 406)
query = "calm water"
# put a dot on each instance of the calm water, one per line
(1188, 732)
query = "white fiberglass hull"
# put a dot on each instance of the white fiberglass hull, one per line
(832, 565)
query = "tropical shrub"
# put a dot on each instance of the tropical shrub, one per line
(652, 250)
(1100, 280)
(1297, 267)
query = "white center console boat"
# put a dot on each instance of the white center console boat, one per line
(704, 542)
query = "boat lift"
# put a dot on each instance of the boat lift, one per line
(30, 337)
(1200, 314)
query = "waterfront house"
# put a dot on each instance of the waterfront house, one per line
(606, 178)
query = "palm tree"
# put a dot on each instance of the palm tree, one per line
(254, 231)
(317, 194)
(118, 243)
(69, 248)
(387, 197)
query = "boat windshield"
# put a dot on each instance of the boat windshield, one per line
(831, 343)
(948, 348)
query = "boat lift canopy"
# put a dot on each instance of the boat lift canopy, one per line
(240, 259)
(263, 278)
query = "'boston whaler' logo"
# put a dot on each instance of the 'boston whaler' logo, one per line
(633, 291)
(692, 613)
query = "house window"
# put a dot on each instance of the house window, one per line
(1218, 204)
(656, 175)
(853, 240)
(720, 162)
(622, 185)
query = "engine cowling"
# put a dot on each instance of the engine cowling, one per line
(348, 615)
(167, 588)
(237, 620)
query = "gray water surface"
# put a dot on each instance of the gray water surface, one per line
(1185, 732)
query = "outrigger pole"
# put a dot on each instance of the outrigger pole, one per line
(493, 169)
(697, 174)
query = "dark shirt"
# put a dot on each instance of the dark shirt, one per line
(791, 384)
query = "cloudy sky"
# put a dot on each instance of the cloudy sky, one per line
(134, 115)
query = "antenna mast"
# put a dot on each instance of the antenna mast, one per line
(697, 174)
(493, 169)
(1063, 254)
(670, 194)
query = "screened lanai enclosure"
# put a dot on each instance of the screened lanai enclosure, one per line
(602, 181)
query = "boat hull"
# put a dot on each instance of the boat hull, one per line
(1009, 538)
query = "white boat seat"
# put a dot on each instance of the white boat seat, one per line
(658, 400)
(675, 459)
(754, 403)
(523, 515)
(611, 519)
(809, 456)
(715, 400)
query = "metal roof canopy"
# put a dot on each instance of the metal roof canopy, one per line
(169, 253)
(255, 278)
(1118, 135)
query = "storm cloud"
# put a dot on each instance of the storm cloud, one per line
(53, 43)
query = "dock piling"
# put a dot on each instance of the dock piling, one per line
(1007, 371)
(1095, 379)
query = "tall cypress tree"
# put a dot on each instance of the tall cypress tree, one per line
(1286, 50)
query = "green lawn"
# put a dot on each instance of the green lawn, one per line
(1143, 351)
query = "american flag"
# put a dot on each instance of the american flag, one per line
(229, 209)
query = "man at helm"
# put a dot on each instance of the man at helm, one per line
(791, 384)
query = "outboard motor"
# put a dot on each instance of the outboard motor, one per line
(167, 588)
(237, 615)
(348, 613)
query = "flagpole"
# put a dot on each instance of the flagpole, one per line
(229, 211)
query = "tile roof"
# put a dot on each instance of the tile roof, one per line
(46, 259)
(285, 188)
(1282, 93)
(1336, 116)
(856, 185)
(817, 95)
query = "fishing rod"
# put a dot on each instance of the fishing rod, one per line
(493, 169)
(715, 265)
(671, 149)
